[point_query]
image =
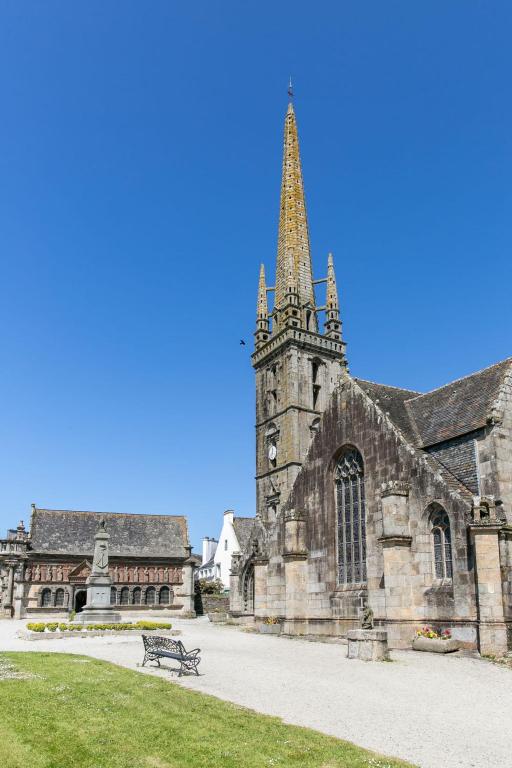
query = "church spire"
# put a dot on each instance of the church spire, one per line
(262, 325)
(332, 311)
(293, 237)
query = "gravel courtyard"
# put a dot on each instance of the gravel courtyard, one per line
(453, 711)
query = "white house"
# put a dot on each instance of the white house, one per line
(232, 538)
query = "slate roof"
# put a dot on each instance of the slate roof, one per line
(459, 407)
(243, 527)
(56, 531)
(392, 401)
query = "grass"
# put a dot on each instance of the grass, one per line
(66, 711)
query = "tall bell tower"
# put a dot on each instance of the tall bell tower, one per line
(296, 365)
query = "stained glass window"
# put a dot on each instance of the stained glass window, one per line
(442, 542)
(137, 596)
(351, 510)
(113, 595)
(59, 597)
(125, 596)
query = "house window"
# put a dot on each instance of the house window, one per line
(46, 598)
(59, 597)
(442, 544)
(350, 502)
(225, 545)
(150, 596)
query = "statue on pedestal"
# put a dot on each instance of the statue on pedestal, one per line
(367, 617)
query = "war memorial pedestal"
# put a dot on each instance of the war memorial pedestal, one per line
(98, 609)
(367, 644)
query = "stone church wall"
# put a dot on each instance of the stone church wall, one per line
(407, 595)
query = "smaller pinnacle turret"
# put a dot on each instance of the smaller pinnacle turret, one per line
(332, 310)
(262, 326)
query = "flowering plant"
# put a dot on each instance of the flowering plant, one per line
(434, 634)
(271, 620)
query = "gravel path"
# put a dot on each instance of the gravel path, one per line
(449, 711)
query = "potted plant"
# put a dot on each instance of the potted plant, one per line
(434, 640)
(270, 626)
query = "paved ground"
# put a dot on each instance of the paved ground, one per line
(454, 712)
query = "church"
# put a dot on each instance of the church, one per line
(369, 494)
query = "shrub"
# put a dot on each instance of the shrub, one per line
(153, 625)
(36, 626)
(271, 620)
(63, 627)
(215, 587)
(52, 626)
(72, 615)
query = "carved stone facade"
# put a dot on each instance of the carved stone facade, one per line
(46, 570)
(365, 492)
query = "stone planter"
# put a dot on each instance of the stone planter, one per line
(435, 645)
(217, 617)
(269, 629)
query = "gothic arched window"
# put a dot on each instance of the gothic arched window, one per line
(442, 543)
(59, 597)
(350, 504)
(46, 598)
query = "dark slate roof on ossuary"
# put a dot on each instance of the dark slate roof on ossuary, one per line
(243, 527)
(72, 532)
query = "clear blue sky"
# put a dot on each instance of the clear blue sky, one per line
(140, 159)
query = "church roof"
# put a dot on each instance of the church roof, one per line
(243, 527)
(56, 531)
(459, 407)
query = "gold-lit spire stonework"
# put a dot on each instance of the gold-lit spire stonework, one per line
(262, 324)
(293, 235)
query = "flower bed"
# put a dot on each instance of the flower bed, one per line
(54, 626)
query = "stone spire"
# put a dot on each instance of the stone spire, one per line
(262, 325)
(293, 237)
(332, 311)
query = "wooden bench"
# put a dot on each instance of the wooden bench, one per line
(156, 648)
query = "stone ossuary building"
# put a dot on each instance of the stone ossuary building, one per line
(367, 492)
(46, 569)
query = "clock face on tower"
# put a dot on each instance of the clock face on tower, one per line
(272, 451)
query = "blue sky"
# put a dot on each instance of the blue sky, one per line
(140, 158)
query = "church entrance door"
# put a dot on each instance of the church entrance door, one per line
(80, 599)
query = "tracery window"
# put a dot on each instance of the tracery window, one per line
(46, 598)
(442, 544)
(150, 596)
(59, 597)
(125, 596)
(350, 501)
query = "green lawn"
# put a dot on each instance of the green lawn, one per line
(64, 711)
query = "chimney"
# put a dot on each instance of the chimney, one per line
(209, 547)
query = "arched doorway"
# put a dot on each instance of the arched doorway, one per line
(80, 599)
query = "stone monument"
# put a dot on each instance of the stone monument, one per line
(98, 608)
(367, 643)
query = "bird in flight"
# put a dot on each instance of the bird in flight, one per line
(242, 343)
